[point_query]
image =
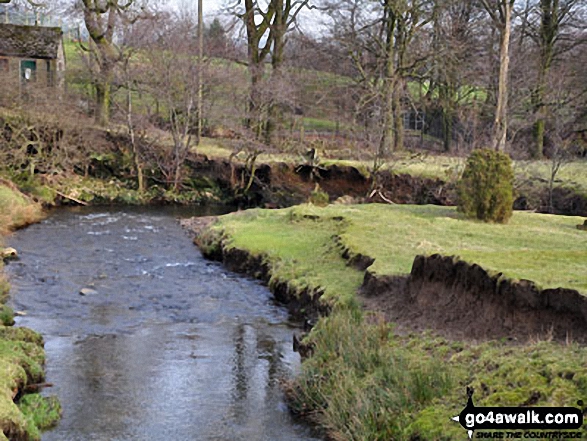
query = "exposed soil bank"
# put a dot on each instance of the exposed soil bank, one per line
(284, 185)
(444, 294)
(568, 202)
(302, 304)
(465, 301)
(358, 366)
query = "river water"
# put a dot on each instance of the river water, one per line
(164, 345)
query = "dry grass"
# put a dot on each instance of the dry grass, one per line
(16, 210)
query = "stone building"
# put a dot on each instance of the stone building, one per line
(32, 54)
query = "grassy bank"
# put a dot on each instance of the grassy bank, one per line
(366, 382)
(21, 350)
(546, 249)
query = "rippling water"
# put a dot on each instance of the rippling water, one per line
(165, 345)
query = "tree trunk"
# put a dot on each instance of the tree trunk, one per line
(398, 117)
(447, 129)
(501, 116)
(255, 117)
(133, 142)
(255, 65)
(200, 72)
(539, 133)
(388, 138)
(549, 29)
(278, 33)
(102, 113)
(104, 53)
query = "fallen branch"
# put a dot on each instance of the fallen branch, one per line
(70, 198)
(34, 388)
(374, 192)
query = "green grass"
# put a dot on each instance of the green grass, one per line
(6, 316)
(300, 250)
(543, 373)
(546, 249)
(21, 350)
(21, 363)
(319, 124)
(212, 148)
(366, 383)
(361, 385)
(16, 210)
(572, 174)
(41, 413)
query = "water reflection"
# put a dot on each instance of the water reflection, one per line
(168, 347)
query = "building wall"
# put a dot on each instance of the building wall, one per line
(47, 72)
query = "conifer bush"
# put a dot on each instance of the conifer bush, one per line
(486, 188)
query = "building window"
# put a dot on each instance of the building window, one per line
(28, 70)
(3, 64)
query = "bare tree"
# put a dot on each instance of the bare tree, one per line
(452, 79)
(200, 70)
(171, 77)
(102, 19)
(266, 30)
(501, 12)
(380, 39)
(552, 25)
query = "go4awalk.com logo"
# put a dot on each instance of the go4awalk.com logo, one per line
(521, 422)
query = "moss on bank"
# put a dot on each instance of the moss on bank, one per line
(75, 189)
(21, 350)
(363, 380)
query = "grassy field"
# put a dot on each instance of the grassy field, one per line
(21, 350)
(363, 381)
(546, 249)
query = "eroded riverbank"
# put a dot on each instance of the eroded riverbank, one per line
(165, 345)
(370, 378)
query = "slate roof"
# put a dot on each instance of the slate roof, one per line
(29, 41)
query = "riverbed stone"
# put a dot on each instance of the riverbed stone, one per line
(9, 254)
(87, 292)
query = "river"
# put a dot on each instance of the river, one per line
(164, 345)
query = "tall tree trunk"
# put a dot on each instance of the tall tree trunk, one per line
(255, 73)
(200, 72)
(540, 124)
(103, 52)
(103, 94)
(398, 116)
(388, 138)
(501, 112)
(133, 142)
(255, 116)
(549, 29)
(447, 128)
(278, 32)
